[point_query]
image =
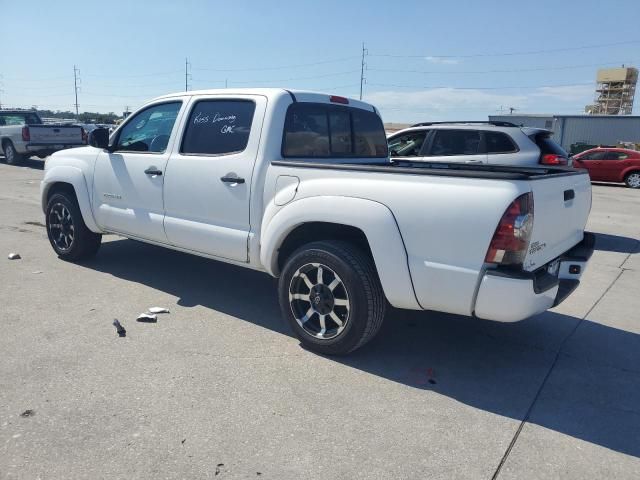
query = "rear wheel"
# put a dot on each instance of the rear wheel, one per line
(331, 295)
(632, 180)
(67, 232)
(11, 155)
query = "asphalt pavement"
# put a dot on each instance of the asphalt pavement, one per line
(219, 388)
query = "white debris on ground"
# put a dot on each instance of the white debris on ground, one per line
(14, 256)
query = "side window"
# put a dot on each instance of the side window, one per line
(150, 129)
(594, 156)
(456, 142)
(498, 142)
(218, 127)
(407, 145)
(615, 156)
(314, 130)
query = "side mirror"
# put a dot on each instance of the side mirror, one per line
(99, 138)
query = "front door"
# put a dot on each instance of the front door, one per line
(128, 181)
(208, 182)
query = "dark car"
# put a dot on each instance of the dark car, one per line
(611, 165)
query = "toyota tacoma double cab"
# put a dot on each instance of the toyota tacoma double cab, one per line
(299, 185)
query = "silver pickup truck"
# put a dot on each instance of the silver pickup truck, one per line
(22, 135)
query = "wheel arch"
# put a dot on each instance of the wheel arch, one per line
(70, 180)
(368, 224)
(628, 171)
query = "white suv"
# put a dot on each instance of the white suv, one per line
(500, 143)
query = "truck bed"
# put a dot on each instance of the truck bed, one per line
(466, 170)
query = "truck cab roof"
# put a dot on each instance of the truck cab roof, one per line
(275, 93)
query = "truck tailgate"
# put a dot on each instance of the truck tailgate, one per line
(561, 208)
(55, 135)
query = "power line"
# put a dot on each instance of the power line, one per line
(507, 54)
(291, 79)
(435, 87)
(279, 67)
(514, 70)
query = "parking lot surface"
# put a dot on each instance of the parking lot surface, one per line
(219, 388)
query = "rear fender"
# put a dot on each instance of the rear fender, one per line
(373, 218)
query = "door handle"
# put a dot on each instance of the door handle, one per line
(153, 171)
(230, 179)
(569, 195)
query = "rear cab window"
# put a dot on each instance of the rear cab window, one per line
(317, 130)
(16, 118)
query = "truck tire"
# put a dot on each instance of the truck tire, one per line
(331, 295)
(11, 155)
(67, 232)
(632, 179)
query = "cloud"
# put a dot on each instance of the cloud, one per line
(443, 60)
(459, 104)
(442, 104)
(569, 93)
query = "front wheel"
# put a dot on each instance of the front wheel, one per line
(331, 295)
(67, 232)
(11, 154)
(633, 180)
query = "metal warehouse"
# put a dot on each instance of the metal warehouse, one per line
(575, 130)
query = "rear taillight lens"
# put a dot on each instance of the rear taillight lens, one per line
(26, 135)
(553, 159)
(511, 239)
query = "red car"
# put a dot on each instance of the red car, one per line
(611, 165)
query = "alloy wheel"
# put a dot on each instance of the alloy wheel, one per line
(319, 301)
(61, 227)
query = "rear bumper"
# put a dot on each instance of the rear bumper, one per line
(510, 296)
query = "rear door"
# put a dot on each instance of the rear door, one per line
(502, 150)
(456, 145)
(561, 208)
(207, 185)
(613, 164)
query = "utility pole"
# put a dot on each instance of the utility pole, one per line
(187, 75)
(76, 78)
(362, 66)
(1, 90)
(225, 83)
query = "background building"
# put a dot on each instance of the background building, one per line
(615, 90)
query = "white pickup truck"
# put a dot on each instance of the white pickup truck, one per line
(22, 135)
(299, 185)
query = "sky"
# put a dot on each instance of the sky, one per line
(425, 60)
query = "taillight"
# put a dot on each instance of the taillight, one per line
(511, 239)
(553, 159)
(337, 99)
(26, 135)
(85, 137)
